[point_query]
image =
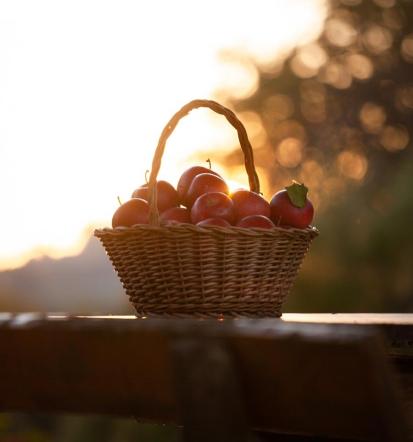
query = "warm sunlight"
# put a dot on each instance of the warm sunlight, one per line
(84, 98)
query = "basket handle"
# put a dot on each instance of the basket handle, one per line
(169, 128)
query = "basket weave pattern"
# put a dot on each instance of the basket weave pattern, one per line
(190, 271)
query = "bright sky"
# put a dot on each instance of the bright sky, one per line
(86, 87)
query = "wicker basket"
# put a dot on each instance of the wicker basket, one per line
(189, 271)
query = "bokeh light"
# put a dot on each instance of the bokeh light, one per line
(277, 108)
(407, 48)
(254, 127)
(351, 2)
(312, 174)
(308, 60)
(340, 33)
(333, 186)
(288, 128)
(377, 39)
(239, 77)
(313, 105)
(359, 66)
(392, 18)
(404, 98)
(372, 117)
(394, 138)
(290, 152)
(385, 3)
(352, 164)
(337, 75)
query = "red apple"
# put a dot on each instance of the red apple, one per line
(186, 179)
(214, 222)
(134, 211)
(175, 215)
(291, 207)
(256, 221)
(248, 203)
(204, 183)
(213, 205)
(167, 196)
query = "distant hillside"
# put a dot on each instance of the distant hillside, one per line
(85, 283)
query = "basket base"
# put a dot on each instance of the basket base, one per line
(186, 271)
(143, 313)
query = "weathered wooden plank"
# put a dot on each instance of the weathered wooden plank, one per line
(351, 318)
(396, 328)
(209, 393)
(322, 318)
(303, 378)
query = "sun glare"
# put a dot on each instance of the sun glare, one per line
(84, 97)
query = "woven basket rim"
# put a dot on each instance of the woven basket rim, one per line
(309, 231)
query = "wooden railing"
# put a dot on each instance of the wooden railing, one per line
(318, 376)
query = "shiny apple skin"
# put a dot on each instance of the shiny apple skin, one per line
(261, 221)
(167, 196)
(248, 203)
(175, 215)
(284, 213)
(213, 205)
(186, 180)
(214, 222)
(134, 211)
(204, 183)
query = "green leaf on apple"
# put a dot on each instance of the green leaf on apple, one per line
(297, 193)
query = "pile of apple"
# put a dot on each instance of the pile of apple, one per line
(202, 197)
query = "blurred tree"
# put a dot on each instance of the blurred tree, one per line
(337, 114)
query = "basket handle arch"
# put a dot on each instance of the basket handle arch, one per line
(169, 128)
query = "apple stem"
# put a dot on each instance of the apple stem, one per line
(209, 162)
(146, 176)
(119, 201)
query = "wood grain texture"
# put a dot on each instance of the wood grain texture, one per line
(304, 378)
